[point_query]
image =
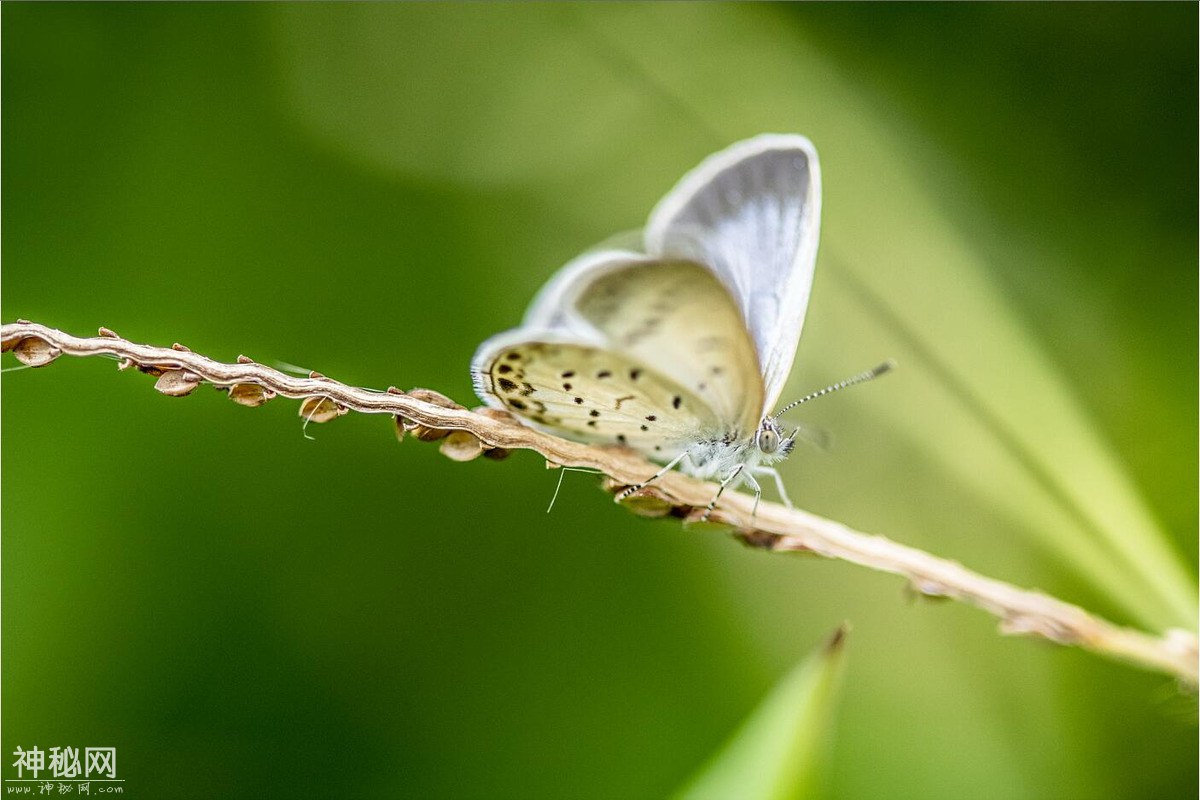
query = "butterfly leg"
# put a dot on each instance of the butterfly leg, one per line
(749, 478)
(625, 493)
(774, 473)
(724, 482)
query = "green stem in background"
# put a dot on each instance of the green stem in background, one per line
(1158, 587)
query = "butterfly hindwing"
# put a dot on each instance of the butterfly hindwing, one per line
(593, 395)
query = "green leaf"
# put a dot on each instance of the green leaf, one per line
(777, 751)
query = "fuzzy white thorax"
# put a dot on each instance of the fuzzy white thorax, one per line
(717, 457)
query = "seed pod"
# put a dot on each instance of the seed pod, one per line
(177, 382)
(760, 540)
(151, 369)
(645, 502)
(422, 432)
(250, 395)
(461, 446)
(34, 352)
(647, 505)
(320, 409)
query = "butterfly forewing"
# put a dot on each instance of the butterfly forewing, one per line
(751, 214)
(596, 396)
(678, 319)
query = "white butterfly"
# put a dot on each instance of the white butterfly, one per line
(680, 351)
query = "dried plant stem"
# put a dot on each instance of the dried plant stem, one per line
(465, 434)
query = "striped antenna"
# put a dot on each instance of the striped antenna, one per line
(861, 377)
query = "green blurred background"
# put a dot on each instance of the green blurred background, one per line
(371, 190)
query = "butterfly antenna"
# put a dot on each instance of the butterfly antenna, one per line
(861, 377)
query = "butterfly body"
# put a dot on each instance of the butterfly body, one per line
(716, 455)
(679, 349)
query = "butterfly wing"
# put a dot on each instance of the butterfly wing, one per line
(628, 337)
(676, 317)
(588, 393)
(752, 214)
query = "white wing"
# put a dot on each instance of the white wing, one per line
(752, 214)
(553, 308)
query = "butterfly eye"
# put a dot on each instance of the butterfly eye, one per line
(767, 440)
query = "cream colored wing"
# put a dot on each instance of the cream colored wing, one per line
(677, 318)
(628, 337)
(590, 394)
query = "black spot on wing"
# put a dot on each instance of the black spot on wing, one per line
(507, 385)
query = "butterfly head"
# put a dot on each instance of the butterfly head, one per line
(771, 442)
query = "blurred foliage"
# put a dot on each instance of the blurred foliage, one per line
(778, 752)
(371, 190)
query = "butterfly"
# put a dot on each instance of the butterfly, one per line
(680, 348)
